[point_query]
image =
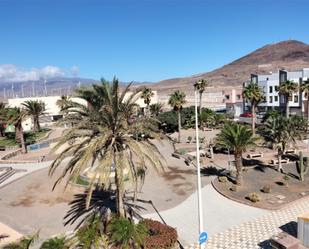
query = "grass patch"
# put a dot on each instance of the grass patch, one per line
(30, 137)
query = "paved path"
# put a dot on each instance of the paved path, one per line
(220, 214)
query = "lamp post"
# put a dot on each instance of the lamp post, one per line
(199, 185)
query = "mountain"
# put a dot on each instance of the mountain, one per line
(289, 55)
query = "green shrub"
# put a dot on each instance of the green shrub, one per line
(189, 139)
(254, 197)
(182, 151)
(126, 233)
(160, 236)
(223, 179)
(54, 243)
(266, 189)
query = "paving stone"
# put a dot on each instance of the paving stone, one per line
(254, 234)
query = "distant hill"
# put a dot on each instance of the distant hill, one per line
(290, 55)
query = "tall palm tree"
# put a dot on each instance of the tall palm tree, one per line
(304, 87)
(3, 111)
(16, 116)
(61, 103)
(237, 138)
(200, 86)
(106, 143)
(280, 132)
(156, 109)
(176, 101)
(253, 93)
(146, 94)
(287, 89)
(34, 109)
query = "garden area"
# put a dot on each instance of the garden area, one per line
(31, 137)
(264, 186)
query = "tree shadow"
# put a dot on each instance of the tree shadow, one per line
(265, 244)
(213, 171)
(103, 202)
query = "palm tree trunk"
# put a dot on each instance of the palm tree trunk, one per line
(308, 112)
(279, 161)
(119, 191)
(179, 125)
(253, 119)
(238, 162)
(38, 124)
(20, 132)
(35, 124)
(200, 107)
(287, 109)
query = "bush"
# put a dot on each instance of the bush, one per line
(126, 233)
(222, 179)
(182, 151)
(54, 243)
(254, 197)
(189, 139)
(160, 236)
(266, 189)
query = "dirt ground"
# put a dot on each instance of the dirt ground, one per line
(255, 178)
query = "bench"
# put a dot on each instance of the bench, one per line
(276, 161)
(255, 155)
(2, 148)
(291, 151)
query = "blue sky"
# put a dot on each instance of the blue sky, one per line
(146, 40)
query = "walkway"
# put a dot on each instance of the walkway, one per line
(230, 225)
(220, 214)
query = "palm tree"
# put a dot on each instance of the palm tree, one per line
(146, 94)
(253, 93)
(176, 101)
(237, 138)
(3, 111)
(156, 109)
(61, 103)
(280, 132)
(304, 87)
(35, 109)
(200, 86)
(287, 89)
(106, 142)
(16, 116)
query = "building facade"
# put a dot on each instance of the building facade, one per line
(270, 83)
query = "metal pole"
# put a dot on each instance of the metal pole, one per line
(199, 185)
(45, 87)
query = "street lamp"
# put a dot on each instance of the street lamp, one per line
(199, 185)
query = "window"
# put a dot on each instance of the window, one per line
(238, 96)
(276, 98)
(295, 98)
(276, 88)
(227, 97)
(270, 99)
(290, 98)
(270, 89)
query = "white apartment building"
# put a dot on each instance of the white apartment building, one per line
(270, 84)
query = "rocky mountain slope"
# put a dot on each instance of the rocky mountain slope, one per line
(289, 55)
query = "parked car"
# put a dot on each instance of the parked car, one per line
(246, 115)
